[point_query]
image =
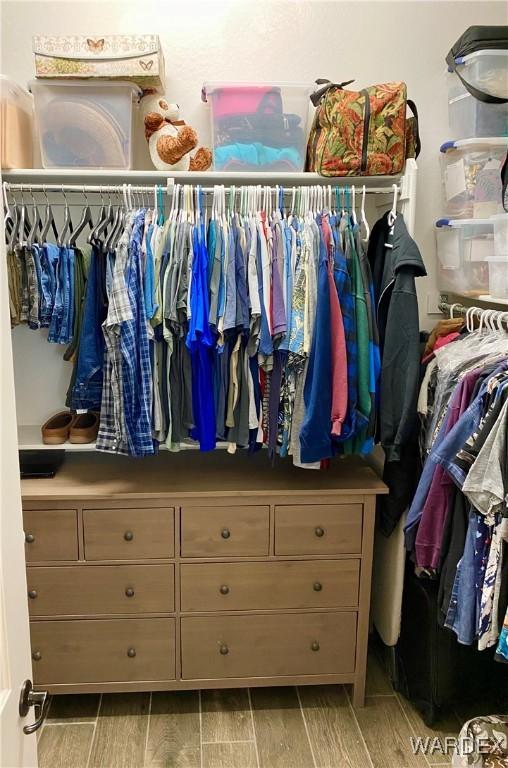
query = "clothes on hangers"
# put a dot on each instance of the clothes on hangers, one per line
(457, 526)
(238, 324)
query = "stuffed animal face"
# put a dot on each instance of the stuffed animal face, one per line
(156, 112)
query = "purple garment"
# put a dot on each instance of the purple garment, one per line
(279, 322)
(274, 400)
(430, 531)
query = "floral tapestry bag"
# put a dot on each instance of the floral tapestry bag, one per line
(361, 133)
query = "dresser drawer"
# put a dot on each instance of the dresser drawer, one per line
(225, 531)
(318, 529)
(129, 534)
(268, 645)
(100, 651)
(50, 534)
(79, 590)
(274, 585)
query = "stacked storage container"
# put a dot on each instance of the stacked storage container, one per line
(85, 96)
(472, 237)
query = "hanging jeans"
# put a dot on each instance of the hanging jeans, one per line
(87, 390)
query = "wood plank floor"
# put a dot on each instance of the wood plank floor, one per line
(308, 727)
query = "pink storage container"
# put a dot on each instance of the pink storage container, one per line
(259, 126)
(246, 100)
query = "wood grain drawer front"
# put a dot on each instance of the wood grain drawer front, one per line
(129, 534)
(275, 585)
(80, 590)
(319, 529)
(268, 645)
(225, 531)
(50, 534)
(100, 651)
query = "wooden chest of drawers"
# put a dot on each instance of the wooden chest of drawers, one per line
(236, 575)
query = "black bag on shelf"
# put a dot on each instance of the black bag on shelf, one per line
(474, 39)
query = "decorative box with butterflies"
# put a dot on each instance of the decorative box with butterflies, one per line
(136, 58)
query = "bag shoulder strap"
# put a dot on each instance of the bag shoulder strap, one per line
(487, 98)
(325, 86)
(418, 143)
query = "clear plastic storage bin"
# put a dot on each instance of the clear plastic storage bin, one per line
(471, 175)
(464, 247)
(16, 125)
(498, 278)
(498, 266)
(487, 71)
(501, 236)
(258, 127)
(84, 124)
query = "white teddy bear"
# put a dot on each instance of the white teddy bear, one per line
(170, 140)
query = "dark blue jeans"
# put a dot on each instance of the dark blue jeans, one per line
(87, 390)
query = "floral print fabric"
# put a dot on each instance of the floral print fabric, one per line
(336, 142)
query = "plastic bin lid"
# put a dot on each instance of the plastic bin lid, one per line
(478, 54)
(458, 223)
(475, 143)
(10, 90)
(210, 87)
(88, 83)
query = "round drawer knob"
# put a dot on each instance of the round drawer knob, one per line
(128, 535)
(319, 531)
(224, 650)
(29, 538)
(318, 586)
(315, 646)
(225, 533)
(224, 590)
(131, 652)
(129, 592)
(32, 594)
(36, 655)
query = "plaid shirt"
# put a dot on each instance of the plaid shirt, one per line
(347, 306)
(112, 435)
(135, 350)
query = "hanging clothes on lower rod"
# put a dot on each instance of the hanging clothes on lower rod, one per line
(230, 319)
(457, 526)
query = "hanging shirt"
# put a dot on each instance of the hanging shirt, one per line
(137, 378)
(200, 342)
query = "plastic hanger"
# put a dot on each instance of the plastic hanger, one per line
(36, 223)
(86, 219)
(49, 220)
(393, 213)
(363, 218)
(116, 230)
(452, 307)
(100, 219)
(67, 223)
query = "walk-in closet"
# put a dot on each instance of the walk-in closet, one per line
(254, 356)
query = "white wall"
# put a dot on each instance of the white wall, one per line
(298, 41)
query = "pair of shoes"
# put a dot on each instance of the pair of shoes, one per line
(75, 427)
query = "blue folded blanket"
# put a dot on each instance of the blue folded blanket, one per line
(256, 155)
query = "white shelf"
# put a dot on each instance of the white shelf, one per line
(30, 439)
(493, 299)
(104, 176)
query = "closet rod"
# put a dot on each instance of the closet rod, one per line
(459, 309)
(80, 188)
